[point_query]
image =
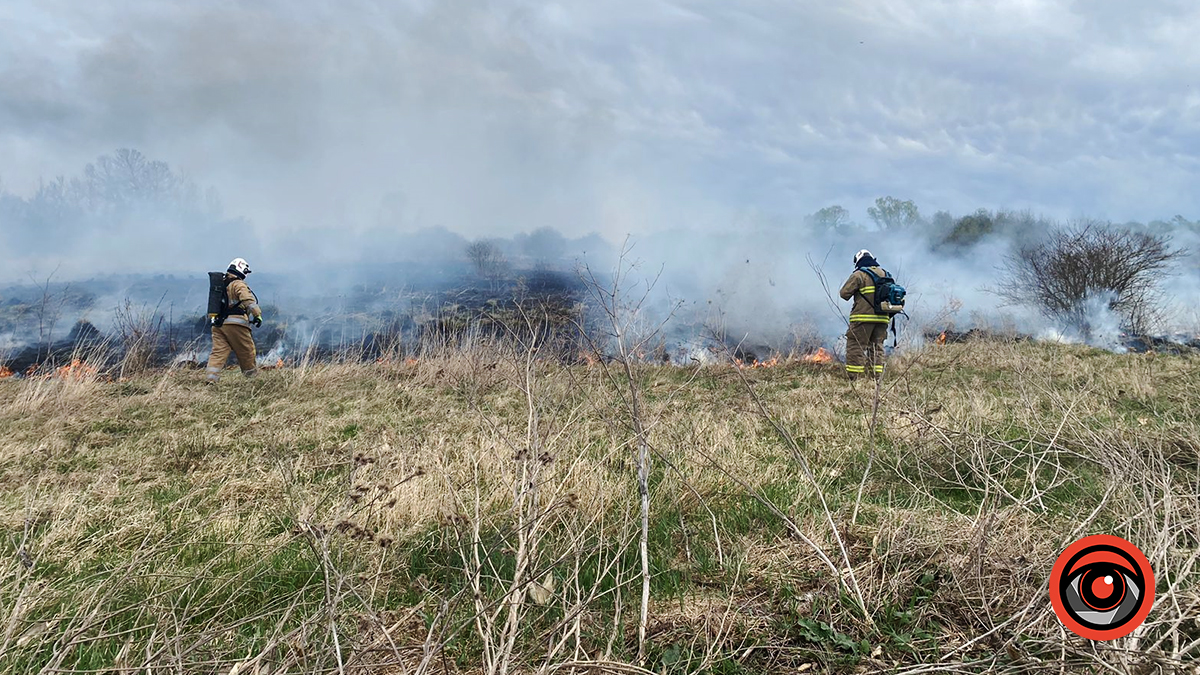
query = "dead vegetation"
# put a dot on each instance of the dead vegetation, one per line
(476, 508)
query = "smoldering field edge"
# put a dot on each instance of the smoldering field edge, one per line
(752, 293)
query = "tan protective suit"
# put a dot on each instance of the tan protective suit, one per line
(234, 334)
(868, 330)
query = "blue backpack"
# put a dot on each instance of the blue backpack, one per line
(889, 295)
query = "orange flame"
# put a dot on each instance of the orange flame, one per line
(5, 372)
(822, 355)
(941, 339)
(76, 370)
(279, 363)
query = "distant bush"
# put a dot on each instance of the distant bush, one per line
(958, 234)
(488, 260)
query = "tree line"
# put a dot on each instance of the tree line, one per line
(123, 193)
(947, 231)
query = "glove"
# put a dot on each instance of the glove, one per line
(257, 322)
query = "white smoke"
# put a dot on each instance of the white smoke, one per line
(1098, 326)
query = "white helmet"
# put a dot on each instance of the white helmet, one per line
(857, 256)
(239, 266)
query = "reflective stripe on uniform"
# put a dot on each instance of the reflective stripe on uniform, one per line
(869, 318)
(237, 321)
(866, 289)
(251, 307)
(879, 369)
(856, 369)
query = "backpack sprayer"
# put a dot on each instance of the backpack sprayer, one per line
(218, 300)
(888, 298)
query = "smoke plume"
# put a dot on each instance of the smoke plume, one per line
(349, 146)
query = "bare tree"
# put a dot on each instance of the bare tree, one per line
(127, 176)
(1089, 264)
(488, 260)
(48, 311)
(123, 191)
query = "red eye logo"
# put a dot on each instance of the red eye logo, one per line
(1102, 587)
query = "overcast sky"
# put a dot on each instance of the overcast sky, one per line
(614, 115)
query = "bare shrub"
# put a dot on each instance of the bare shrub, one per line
(48, 310)
(623, 309)
(139, 328)
(1077, 269)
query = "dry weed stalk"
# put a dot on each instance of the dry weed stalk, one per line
(540, 528)
(622, 311)
(139, 329)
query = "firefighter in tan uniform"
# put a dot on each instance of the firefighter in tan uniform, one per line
(233, 335)
(868, 330)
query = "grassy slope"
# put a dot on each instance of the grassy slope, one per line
(337, 516)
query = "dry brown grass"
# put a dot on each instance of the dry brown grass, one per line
(475, 510)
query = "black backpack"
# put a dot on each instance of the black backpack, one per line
(889, 295)
(218, 298)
